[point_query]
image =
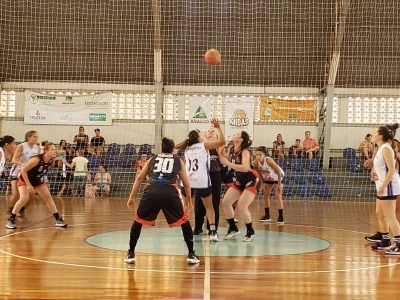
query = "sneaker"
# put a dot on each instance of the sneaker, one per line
(130, 258)
(250, 235)
(236, 220)
(11, 224)
(214, 236)
(376, 238)
(266, 218)
(192, 259)
(231, 233)
(394, 251)
(385, 244)
(61, 223)
(197, 231)
(280, 221)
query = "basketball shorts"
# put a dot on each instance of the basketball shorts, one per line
(36, 183)
(161, 197)
(199, 192)
(247, 182)
(387, 197)
(13, 178)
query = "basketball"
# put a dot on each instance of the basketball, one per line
(239, 114)
(212, 57)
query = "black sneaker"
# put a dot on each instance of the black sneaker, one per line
(192, 259)
(250, 235)
(376, 238)
(130, 258)
(266, 218)
(197, 231)
(60, 223)
(231, 233)
(385, 244)
(280, 221)
(11, 224)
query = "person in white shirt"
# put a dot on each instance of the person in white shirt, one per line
(387, 183)
(81, 171)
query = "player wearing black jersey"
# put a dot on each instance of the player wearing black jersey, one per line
(162, 193)
(31, 178)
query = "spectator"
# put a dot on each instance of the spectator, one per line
(140, 164)
(70, 153)
(81, 139)
(278, 147)
(296, 150)
(366, 147)
(81, 171)
(97, 142)
(62, 150)
(310, 146)
(102, 179)
(63, 179)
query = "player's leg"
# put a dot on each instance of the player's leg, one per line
(206, 196)
(44, 192)
(279, 202)
(199, 214)
(216, 182)
(231, 196)
(383, 224)
(267, 191)
(245, 200)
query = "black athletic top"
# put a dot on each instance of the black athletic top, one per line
(37, 173)
(164, 168)
(236, 158)
(215, 165)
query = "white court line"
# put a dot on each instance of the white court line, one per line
(207, 270)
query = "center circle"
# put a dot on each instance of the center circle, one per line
(169, 241)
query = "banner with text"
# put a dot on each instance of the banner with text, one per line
(238, 116)
(77, 110)
(288, 110)
(199, 113)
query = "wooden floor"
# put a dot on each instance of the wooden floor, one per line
(39, 261)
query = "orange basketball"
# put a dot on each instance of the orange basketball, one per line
(212, 57)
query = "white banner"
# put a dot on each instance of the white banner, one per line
(199, 113)
(238, 116)
(77, 110)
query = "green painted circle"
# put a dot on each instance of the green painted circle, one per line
(167, 241)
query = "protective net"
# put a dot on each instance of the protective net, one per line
(145, 59)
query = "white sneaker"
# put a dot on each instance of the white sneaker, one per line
(214, 237)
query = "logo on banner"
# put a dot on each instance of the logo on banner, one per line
(37, 116)
(200, 116)
(239, 118)
(68, 100)
(95, 117)
(33, 99)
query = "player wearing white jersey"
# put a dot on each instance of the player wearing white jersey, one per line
(272, 175)
(197, 162)
(20, 158)
(387, 189)
(7, 149)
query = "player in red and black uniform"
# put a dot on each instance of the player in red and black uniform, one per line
(31, 178)
(244, 188)
(162, 193)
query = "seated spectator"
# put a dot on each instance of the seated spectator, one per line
(61, 150)
(296, 150)
(310, 146)
(102, 181)
(97, 142)
(366, 147)
(278, 147)
(81, 139)
(140, 164)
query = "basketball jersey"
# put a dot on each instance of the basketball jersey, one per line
(380, 171)
(37, 173)
(26, 154)
(197, 160)
(272, 176)
(164, 169)
(236, 158)
(2, 161)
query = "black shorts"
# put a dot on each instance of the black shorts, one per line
(13, 178)
(387, 197)
(161, 197)
(199, 192)
(270, 182)
(247, 182)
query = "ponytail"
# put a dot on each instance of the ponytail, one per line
(192, 138)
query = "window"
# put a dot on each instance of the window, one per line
(170, 108)
(374, 110)
(8, 101)
(128, 106)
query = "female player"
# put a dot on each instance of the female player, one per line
(162, 193)
(20, 158)
(7, 149)
(387, 182)
(272, 175)
(244, 188)
(197, 161)
(30, 179)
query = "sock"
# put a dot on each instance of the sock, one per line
(280, 211)
(12, 217)
(22, 209)
(232, 224)
(56, 216)
(397, 239)
(249, 227)
(135, 234)
(385, 236)
(188, 236)
(266, 211)
(212, 227)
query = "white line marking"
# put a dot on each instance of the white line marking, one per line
(207, 270)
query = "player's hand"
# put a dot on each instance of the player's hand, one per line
(223, 160)
(368, 163)
(215, 123)
(380, 191)
(130, 204)
(189, 207)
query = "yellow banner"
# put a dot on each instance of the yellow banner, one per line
(273, 109)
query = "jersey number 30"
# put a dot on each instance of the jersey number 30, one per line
(163, 165)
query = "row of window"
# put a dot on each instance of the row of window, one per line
(130, 106)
